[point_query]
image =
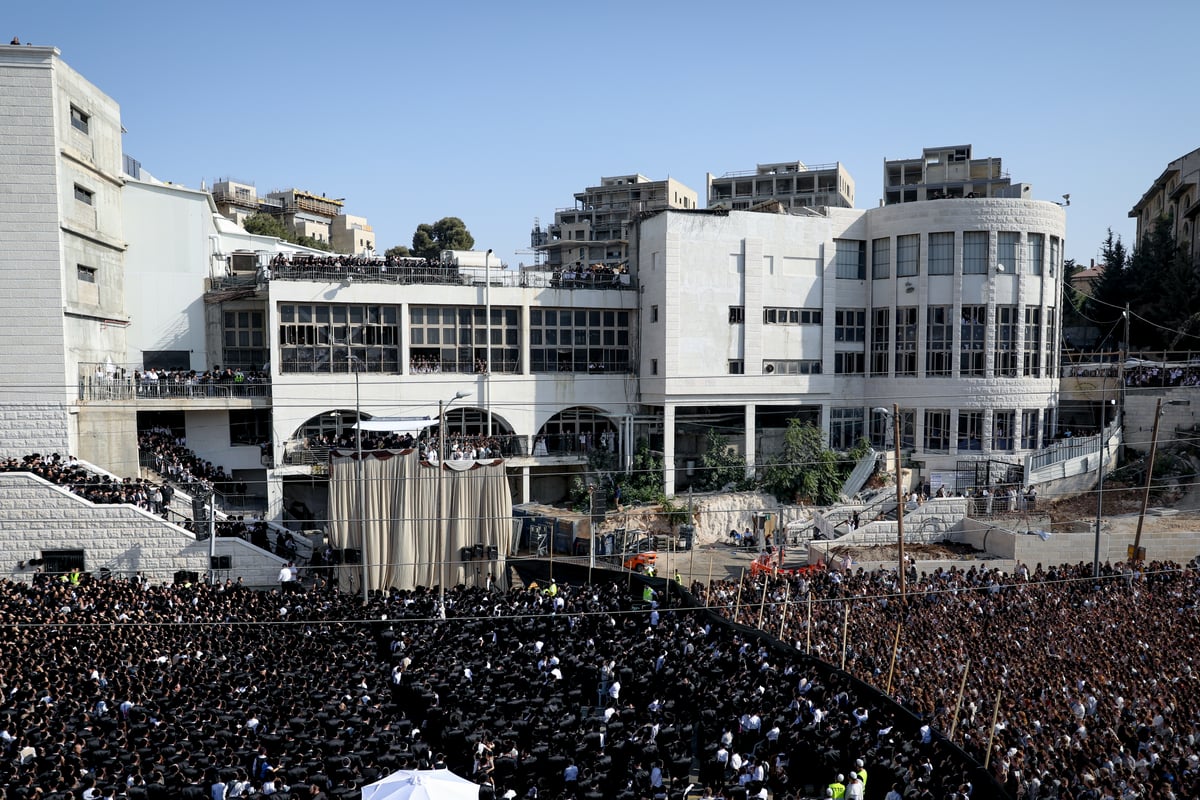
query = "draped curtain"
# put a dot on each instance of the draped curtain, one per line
(406, 544)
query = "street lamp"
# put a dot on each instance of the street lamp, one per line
(442, 406)
(1103, 449)
(894, 414)
(1158, 412)
(362, 500)
(487, 302)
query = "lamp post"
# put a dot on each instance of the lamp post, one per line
(442, 406)
(1103, 449)
(1158, 410)
(362, 499)
(487, 302)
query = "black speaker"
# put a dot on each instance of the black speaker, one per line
(351, 555)
(492, 552)
(221, 562)
(466, 553)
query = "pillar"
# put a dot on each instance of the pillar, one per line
(749, 439)
(524, 484)
(669, 450)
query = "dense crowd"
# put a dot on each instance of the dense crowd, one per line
(101, 489)
(1098, 693)
(167, 454)
(590, 275)
(398, 269)
(118, 689)
(188, 383)
(1166, 375)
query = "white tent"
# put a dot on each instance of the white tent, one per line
(421, 784)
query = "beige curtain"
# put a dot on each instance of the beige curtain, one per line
(406, 544)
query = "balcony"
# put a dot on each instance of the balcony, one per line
(108, 383)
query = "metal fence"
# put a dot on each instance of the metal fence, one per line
(1067, 449)
(103, 382)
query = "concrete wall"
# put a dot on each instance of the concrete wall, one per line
(108, 437)
(1139, 416)
(36, 516)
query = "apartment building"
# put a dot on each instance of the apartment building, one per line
(947, 172)
(1174, 196)
(596, 229)
(792, 184)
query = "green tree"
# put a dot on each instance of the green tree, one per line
(399, 251)
(266, 225)
(313, 242)
(805, 471)
(1164, 288)
(720, 466)
(448, 233)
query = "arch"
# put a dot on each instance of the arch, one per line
(577, 429)
(472, 421)
(330, 423)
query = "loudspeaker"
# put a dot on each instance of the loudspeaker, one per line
(221, 562)
(466, 553)
(351, 555)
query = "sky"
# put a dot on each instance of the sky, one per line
(499, 113)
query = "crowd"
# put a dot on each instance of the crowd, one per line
(1097, 690)
(189, 383)
(168, 455)
(591, 275)
(70, 474)
(394, 269)
(118, 689)
(1166, 375)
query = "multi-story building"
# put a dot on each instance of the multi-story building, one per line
(792, 184)
(306, 214)
(596, 229)
(351, 234)
(1174, 196)
(947, 172)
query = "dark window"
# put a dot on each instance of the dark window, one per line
(79, 119)
(60, 562)
(737, 366)
(249, 426)
(737, 315)
(84, 195)
(85, 274)
(850, 259)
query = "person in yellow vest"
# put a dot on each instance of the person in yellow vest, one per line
(552, 589)
(861, 771)
(678, 578)
(647, 594)
(837, 789)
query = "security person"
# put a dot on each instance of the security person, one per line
(838, 788)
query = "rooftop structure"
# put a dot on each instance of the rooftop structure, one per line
(947, 172)
(792, 183)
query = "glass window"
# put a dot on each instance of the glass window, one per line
(881, 258)
(851, 259)
(80, 121)
(846, 427)
(1008, 249)
(1029, 429)
(941, 254)
(939, 341)
(737, 366)
(84, 195)
(906, 341)
(937, 431)
(973, 329)
(1003, 432)
(908, 255)
(1006, 342)
(594, 341)
(975, 253)
(970, 430)
(1036, 246)
(881, 341)
(737, 315)
(850, 325)
(85, 274)
(849, 363)
(791, 316)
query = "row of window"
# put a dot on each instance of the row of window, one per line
(850, 255)
(1009, 432)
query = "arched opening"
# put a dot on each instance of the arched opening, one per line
(576, 431)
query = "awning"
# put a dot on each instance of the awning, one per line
(396, 424)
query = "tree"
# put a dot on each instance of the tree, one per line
(266, 225)
(1164, 287)
(805, 471)
(313, 242)
(448, 233)
(399, 251)
(720, 466)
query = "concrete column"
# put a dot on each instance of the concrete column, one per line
(669, 450)
(524, 484)
(274, 510)
(749, 439)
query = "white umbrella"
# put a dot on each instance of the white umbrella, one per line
(421, 784)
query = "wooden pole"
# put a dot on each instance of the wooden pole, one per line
(762, 606)
(808, 645)
(708, 594)
(737, 607)
(787, 591)
(992, 734)
(899, 499)
(962, 687)
(845, 633)
(895, 652)
(1137, 538)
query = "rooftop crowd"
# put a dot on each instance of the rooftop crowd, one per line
(1098, 693)
(119, 689)
(101, 489)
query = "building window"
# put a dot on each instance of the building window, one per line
(654, 313)
(973, 328)
(1029, 429)
(970, 430)
(249, 426)
(1036, 246)
(85, 274)
(941, 254)
(848, 363)
(1005, 347)
(850, 325)
(881, 258)
(846, 427)
(1002, 430)
(1051, 351)
(84, 195)
(60, 562)
(975, 253)
(578, 340)
(882, 428)
(654, 366)
(908, 255)
(79, 119)
(851, 259)
(322, 337)
(1054, 254)
(1008, 249)
(906, 341)
(245, 345)
(881, 341)
(1032, 360)
(792, 366)
(737, 366)
(737, 315)
(791, 316)
(937, 431)
(939, 341)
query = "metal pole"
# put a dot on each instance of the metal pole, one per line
(899, 499)
(441, 491)
(845, 633)
(487, 302)
(708, 587)
(787, 592)
(362, 499)
(958, 705)
(1137, 539)
(808, 627)
(895, 653)
(1103, 449)
(987, 759)
(212, 536)
(762, 606)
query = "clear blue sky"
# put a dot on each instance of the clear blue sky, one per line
(500, 112)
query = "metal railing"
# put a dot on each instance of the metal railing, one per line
(437, 275)
(100, 382)
(1067, 449)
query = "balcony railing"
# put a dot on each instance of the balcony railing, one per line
(106, 382)
(439, 275)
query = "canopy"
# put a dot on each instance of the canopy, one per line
(396, 424)
(421, 784)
